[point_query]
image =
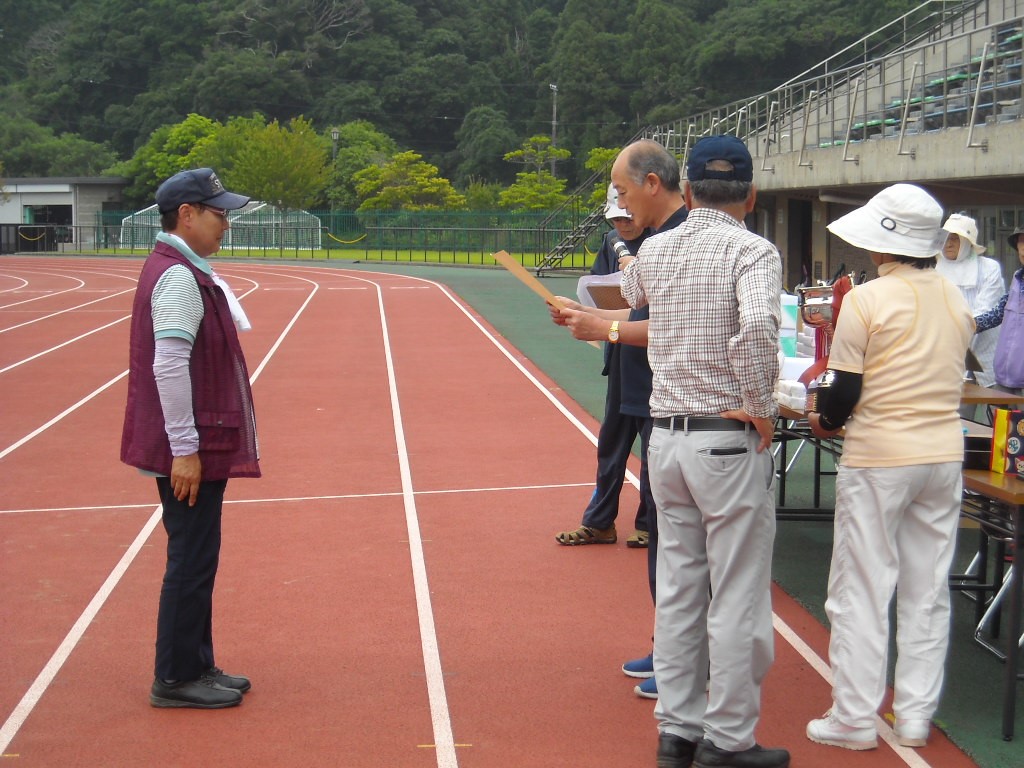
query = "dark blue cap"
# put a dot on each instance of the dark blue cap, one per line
(199, 185)
(727, 148)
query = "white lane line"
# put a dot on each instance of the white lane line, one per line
(307, 499)
(59, 346)
(444, 740)
(15, 288)
(43, 680)
(35, 692)
(910, 756)
(64, 311)
(34, 433)
(81, 283)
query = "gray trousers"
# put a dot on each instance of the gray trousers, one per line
(716, 528)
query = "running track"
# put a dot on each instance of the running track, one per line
(391, 584)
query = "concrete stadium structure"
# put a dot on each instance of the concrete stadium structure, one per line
(934, 98)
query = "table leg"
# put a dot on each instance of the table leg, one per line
(1013, 635)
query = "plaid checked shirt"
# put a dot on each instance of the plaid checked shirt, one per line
(713, 341)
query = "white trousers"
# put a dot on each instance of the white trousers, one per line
(716, 528)
(895, 528)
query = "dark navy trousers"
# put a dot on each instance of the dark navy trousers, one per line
(184, 627)
(614, 445)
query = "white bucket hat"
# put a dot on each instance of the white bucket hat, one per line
(966, 228)
(611, 206)
(902, 220)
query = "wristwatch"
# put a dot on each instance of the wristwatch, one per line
(613, 332)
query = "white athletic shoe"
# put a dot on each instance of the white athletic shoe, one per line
(830, 731)
(912, 733)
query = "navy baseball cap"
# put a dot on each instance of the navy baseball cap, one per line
(727, 148)
(199, 185)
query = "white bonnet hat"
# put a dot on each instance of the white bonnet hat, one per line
(966, 228)
(902, 219)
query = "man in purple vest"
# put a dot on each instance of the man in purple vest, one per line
(189, 422)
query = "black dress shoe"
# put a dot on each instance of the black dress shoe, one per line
(710, 756)
(196, 694)
(238, 683)
(675, 751)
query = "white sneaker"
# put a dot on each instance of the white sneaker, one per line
(830, 731)
(912, 733)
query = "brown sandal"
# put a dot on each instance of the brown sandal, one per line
(587, 535)
(638, 539)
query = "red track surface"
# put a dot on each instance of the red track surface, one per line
(391, 584)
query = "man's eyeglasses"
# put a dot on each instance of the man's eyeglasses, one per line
(218, 212)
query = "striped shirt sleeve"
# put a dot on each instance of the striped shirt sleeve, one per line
(177, 305)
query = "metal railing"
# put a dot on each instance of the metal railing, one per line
(431, 237)
(948, 64)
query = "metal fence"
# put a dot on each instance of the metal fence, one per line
(434, 237)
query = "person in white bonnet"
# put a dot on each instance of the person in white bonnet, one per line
(897, 359)
(979, 279)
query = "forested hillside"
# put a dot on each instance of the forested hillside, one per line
(85, 83)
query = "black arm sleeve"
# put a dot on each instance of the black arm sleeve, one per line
(835, 404)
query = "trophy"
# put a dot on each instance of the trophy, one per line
(819, 308)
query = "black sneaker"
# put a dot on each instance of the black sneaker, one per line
(675, 751)
(238, 683)
(710, 756)
(196, 694)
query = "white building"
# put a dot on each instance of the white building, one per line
(26, 204)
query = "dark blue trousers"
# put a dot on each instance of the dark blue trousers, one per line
(184, 626)
(614, 444)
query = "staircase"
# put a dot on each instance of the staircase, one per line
(582, 229)
(580, 232)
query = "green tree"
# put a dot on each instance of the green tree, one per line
(587, 60)
(30, 149)
(662, 35)
(534, 191)
(105, 53)
(537, 153)
(599, 160)
(360, 145)
(751, 48)
(483, 196)
(168, 150)
(284, 166)
(406, 182)
(309, 30)
(537, 189)
(220, 148)
(484, 138)
(234, 81)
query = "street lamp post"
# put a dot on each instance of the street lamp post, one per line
(335, 133)
(554, 121)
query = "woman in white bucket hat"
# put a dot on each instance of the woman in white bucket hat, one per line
(897, 361)
(979, 279)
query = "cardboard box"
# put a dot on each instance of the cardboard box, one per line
(1008, 442)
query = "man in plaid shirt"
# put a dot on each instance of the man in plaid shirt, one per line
(713, 290)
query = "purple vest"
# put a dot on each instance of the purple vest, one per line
(221, 397)
(1009, 360)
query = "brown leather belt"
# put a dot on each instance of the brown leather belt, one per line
(699, 423)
